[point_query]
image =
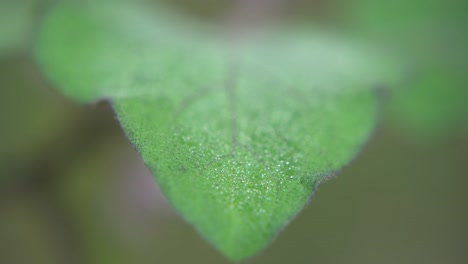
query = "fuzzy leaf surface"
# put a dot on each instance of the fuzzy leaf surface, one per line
(237, 133)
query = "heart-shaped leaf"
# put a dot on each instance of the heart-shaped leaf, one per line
(238, 133)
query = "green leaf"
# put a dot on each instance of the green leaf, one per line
(16, 17)
(432, 104)
(431, 35)
(239, 133)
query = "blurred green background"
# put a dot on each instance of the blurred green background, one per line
(73, 189)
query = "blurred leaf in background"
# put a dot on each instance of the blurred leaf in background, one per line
(431, 39)
(17, 19)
